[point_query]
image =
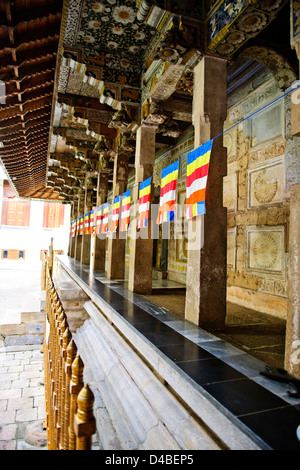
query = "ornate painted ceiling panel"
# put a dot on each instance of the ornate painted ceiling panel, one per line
(112, 25)
(232, 24)
(107, 35)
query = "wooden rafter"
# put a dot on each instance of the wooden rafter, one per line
(29, 34)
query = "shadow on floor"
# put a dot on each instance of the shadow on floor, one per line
(260, 335)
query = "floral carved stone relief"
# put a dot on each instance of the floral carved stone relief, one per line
(265, 249)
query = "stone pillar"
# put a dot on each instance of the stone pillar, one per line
(117, 240)
(100, 239)
(80, 212)
(86, 238)
(292, 341)
(71, 239)
(206, 265)
(141, 246)
(292, 347)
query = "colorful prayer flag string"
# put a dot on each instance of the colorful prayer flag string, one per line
(168, 193)
(115, 215)
(86, 223)
(125, 212)
(104, 228)
(98, 219)
(81, 225)
(196, 179)
(92, 222)
(144, 203)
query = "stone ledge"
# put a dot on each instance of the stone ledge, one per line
(148, 416)
(72, 298)
(218, 419)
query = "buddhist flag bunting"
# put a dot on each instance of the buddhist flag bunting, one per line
(71, 228)
(98, 219)
(86, 223)
(92, 222)
(144, 203)
(74, 227)
(125, 214)
(104, 228)
(197, 172)
(168, 193)
(77, 226)
(115, 215)
(81, 225)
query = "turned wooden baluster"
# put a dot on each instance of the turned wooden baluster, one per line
(76, 385)
(85, 423)
(65, 341)
(71, 354)
(61, 328)
(56, 313)
(46, 352)
(51, 367)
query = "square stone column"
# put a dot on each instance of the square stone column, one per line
(72, 240)
(207, 234)
(86, 237)
(78, 241)
(292, 337)
(117, 240)
(100, 239)
(141, 246)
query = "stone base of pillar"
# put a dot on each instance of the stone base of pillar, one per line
(86, 249)
(140, 264)
(77, 253)
(70, 245)
(99, 253)
(116, 258)
(206, 272)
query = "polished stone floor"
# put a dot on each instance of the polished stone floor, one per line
(260, 335)
(229, 374)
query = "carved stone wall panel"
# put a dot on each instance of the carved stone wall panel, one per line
(292, 145)
(266, 125)
(267, 153)
(231, 248)
(266, 185)
(265, 250)
(230, 187)
(230, 142)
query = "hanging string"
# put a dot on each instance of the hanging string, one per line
(234, 125)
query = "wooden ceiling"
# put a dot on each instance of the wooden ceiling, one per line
(29, 35)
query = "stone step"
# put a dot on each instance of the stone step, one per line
(16, 340)
(29, 331)
(34, 328)
(32, 317)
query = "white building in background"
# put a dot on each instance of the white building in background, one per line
(26, 228)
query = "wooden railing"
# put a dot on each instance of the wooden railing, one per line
(70, 421)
